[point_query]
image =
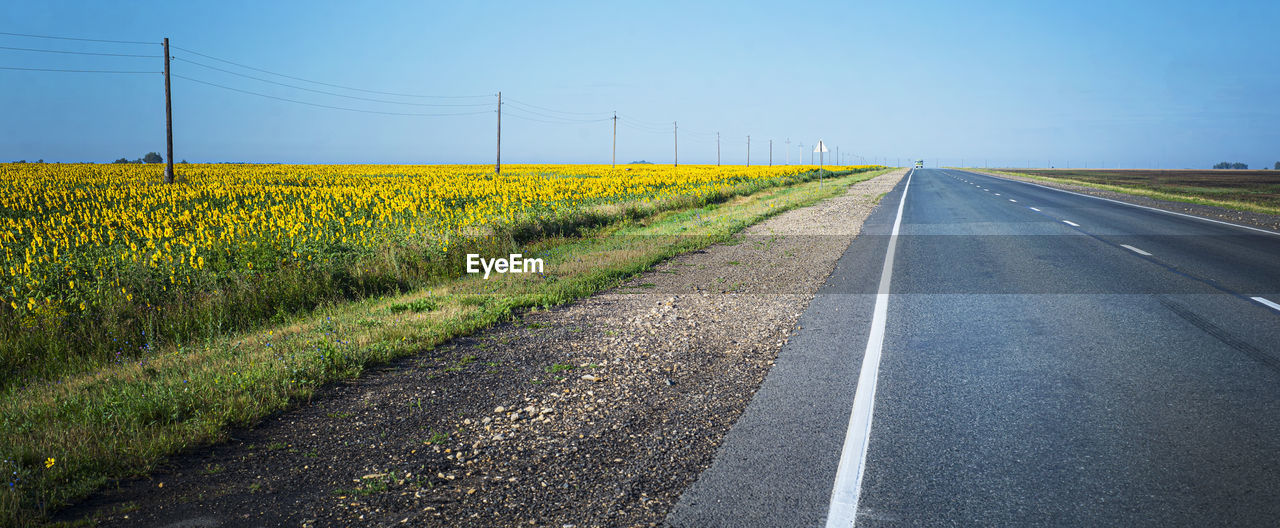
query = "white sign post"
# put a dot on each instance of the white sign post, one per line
(820, 149)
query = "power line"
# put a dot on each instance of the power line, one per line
(189, 61)
(645, 128)
(564, 119)
(78, 39)
(654, 124)
(324, 105)
(509, 100)
(638, 129)
(517, 116)
(72, 71)
(328, 84)
(82, 52)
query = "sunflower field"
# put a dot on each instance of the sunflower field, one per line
(102, 263)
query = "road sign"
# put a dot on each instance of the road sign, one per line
(821, 147)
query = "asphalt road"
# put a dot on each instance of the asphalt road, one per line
(1040, 358)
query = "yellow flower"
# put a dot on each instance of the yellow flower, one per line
(48, 463)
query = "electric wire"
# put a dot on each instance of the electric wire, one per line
(564, 119)
(356, 97)
(518, 116)
(78, 39)
(545, 109)
(324, 105)
(82, 52)
(72, 71)
(643, 122)
(330, 84)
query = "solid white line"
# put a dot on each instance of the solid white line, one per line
(1034, 209)
(853, 456)
(1070, 223)
(1259, 299)
(1156, 209)
(1135, 250)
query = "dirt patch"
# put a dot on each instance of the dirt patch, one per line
(597, 413)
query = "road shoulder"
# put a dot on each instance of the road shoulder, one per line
(600, 412)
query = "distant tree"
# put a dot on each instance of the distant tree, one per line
(121, 160)
(1277, 167)
(153, 157)
(40, 161)
(183, 161)
(1240, 166)
(1231, 165)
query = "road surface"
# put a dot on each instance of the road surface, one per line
(1018, 355)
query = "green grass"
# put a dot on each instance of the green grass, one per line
(121, 421)
(1254, 199)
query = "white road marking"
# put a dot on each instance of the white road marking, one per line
(1070, 223)
(1034, 209)
(988, 190)
(997, 194)
(853, 456)
(1259, 299)
(1012, 200)
(1156, 209)
(1135, 250)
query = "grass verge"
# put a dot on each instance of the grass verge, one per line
(63, 439)
(1191, 196)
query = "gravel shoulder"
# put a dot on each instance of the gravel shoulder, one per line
(1261, 220)
(600, 412)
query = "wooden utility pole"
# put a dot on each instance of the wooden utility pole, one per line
(748, 151)
(168, 119)
(497, 166)
(717, 149)
(770, 152)
(675, 134)
(614, 162)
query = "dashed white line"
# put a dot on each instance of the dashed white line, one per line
(1135, 250)
(1012, 200)
(1034, 209)
(1270, 304)
(997, 194)
(1070, 223)
(853, 456)
(1194, 217)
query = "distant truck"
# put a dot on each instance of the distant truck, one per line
(919, 164)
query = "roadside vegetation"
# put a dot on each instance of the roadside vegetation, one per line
(1256, 191)
(70, 430)
(103, 264)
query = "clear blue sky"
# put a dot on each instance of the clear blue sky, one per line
(1130, 84)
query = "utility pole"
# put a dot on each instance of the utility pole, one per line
(788, 151)
(168, 119)
(748, 150)
(770, 152)
(717, 149)
(497, 167)
(837, 156)
(614, 162)
(675, 133)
